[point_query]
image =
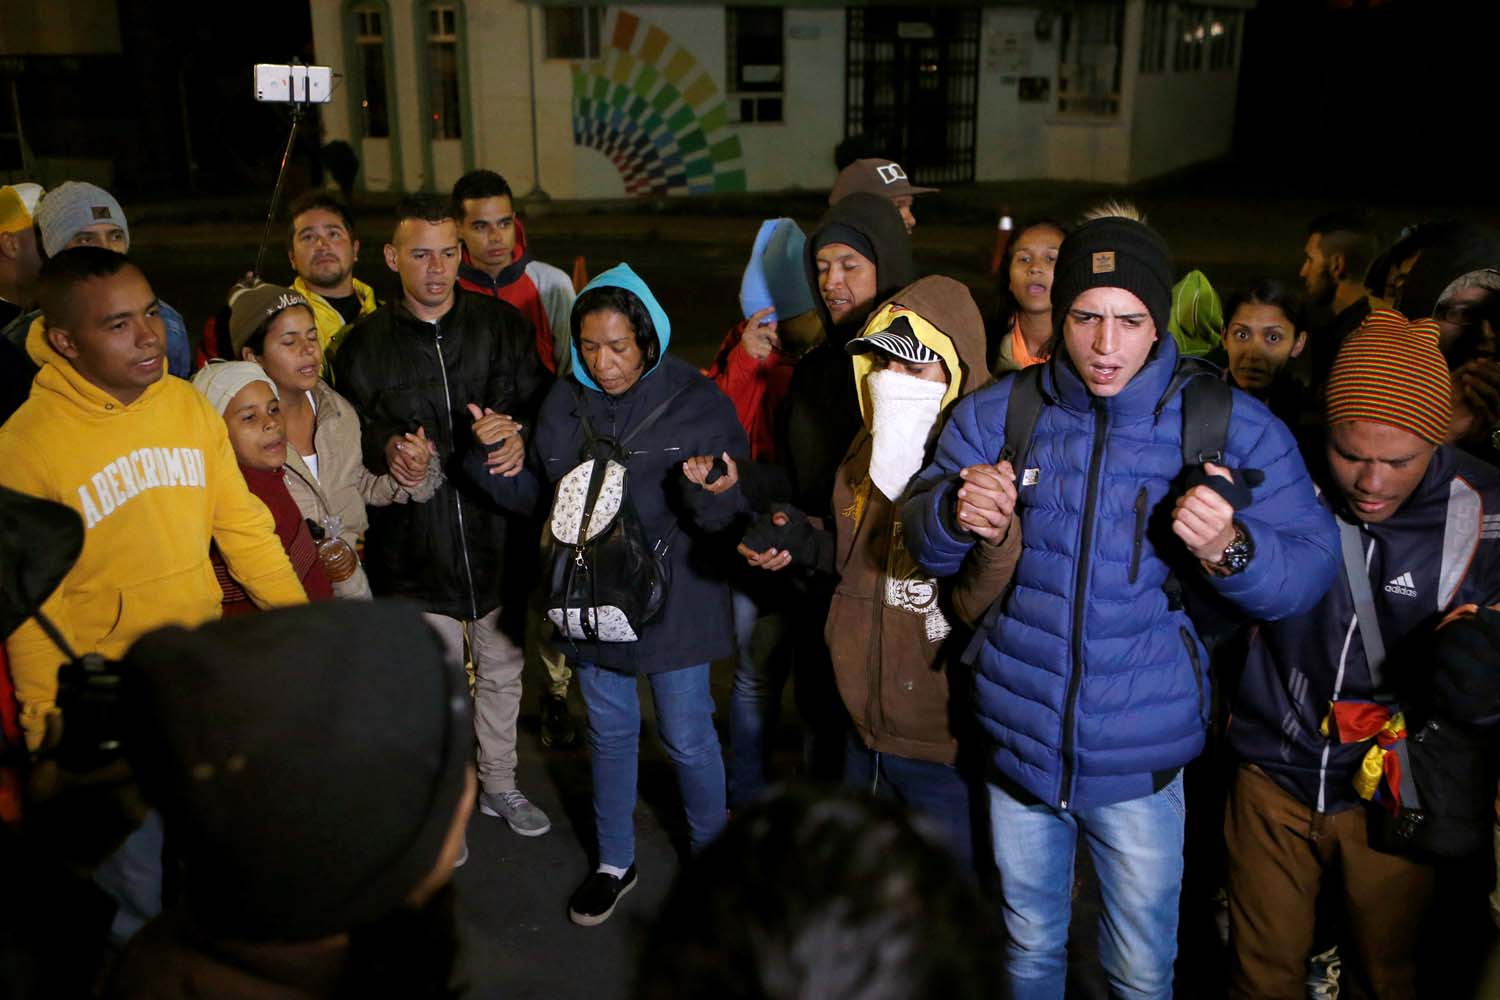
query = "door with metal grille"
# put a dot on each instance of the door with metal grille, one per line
(912, 88)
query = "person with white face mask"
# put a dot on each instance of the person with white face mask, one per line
(890, 628)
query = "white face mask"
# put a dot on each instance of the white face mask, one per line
(906, 412)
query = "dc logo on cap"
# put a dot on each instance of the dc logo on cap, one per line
(890, 173)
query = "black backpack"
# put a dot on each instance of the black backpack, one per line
(1207, 402)
(607, 581)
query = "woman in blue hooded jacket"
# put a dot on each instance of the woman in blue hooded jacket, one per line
(621, 374)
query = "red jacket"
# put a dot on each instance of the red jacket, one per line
(542, 293)
(755, 387)
(296, 539)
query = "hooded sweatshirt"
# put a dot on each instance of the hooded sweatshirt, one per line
(773, 279)
(822, 412)
(543, 294)
(330, 321)
(154, 482)
(890, 629)
(694, 624)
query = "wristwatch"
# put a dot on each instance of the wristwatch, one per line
(1237, 554)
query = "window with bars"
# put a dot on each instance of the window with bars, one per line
(369, 51)
(442, 73)
(1155, 31)
(1088, 72)
(755, 57)
(912, 88)
(1223, 39)
(1210, 30)
(572, 32)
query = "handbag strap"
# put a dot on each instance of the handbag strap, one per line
(656, 413)
(1365, 617)
(597, 476)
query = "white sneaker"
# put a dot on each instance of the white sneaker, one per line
(513, 807)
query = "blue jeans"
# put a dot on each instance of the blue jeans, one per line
(132, 877)
(685, 719)
(762, 658)
(1136, 848)
(936, 792)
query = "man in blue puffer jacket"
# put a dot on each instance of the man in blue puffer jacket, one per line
(1092, 684)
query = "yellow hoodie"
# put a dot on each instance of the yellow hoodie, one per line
(330, 323)
(154, 482)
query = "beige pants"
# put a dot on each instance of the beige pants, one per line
(497, 665)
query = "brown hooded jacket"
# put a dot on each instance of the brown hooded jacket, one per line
(890, 629)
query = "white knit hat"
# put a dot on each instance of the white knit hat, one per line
(221, 381)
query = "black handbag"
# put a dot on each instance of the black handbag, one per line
(1453, 812)
(607, 581)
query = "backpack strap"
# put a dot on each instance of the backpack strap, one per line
(1021, 413)
(657, 412)
(1207, 403)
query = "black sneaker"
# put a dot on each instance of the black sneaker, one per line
(559, 731)
(595, 900)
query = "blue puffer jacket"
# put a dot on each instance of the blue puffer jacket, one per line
(1090, 687)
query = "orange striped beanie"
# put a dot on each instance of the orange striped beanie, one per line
(1390, 371)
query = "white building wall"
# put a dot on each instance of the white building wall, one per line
(1019, 140)
(1166, 120)
(798, 152)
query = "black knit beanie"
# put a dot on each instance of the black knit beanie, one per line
(308, 762)
(1114, 253)
(838, 232)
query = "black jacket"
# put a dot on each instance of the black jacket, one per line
(821, 414)
(401, 373)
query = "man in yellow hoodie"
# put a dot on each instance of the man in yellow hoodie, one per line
(144, 460)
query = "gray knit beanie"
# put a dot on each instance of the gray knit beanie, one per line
(74, 205)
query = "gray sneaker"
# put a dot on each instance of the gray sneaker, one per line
(523, 817)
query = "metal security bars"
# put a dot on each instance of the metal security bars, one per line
(912, 85)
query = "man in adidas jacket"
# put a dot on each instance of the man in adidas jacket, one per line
(1427, 518)
(1092, 684)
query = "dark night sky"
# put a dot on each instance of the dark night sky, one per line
(1356, 101)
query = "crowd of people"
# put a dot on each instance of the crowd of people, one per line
(1207, 587)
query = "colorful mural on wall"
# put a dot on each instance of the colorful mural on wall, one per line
(655, 112)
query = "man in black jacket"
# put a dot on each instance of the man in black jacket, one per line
(418, 363)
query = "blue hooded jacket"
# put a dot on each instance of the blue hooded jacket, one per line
(1090, 687)
(694, 626)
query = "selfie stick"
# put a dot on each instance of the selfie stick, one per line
(299, 108)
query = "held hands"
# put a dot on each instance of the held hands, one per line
(986, 500)
(771, 559)
(1204, 520)
(491, 429)
(407, 456)
(713, 474)
(760, 338)
(1476, 400)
